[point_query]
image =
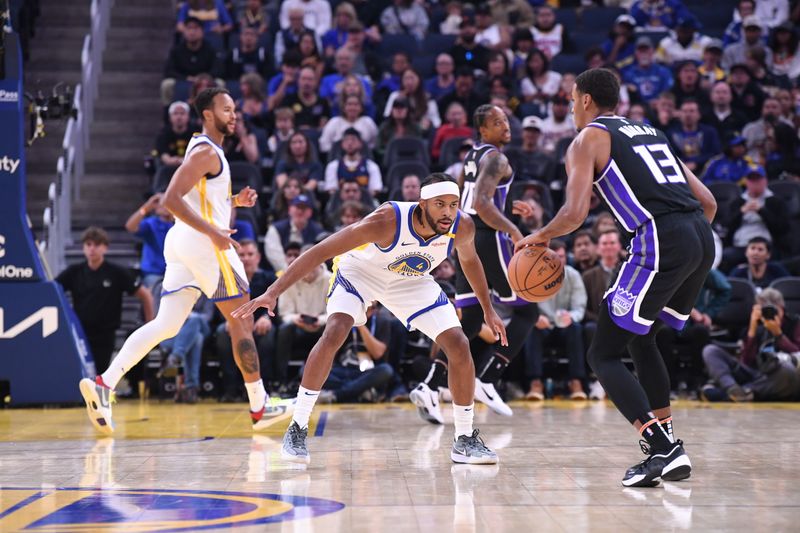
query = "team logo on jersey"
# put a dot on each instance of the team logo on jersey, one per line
(412, 264)
(622, 302)
(147, 510)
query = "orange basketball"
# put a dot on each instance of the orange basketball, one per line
(535, 273)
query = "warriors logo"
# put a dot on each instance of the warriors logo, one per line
(412, 264)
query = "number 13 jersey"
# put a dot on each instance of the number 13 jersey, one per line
(471, 167)
(643, 178)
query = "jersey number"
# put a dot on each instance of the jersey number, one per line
(470, 169)
(658, 166)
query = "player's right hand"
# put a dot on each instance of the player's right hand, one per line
(269, 300)
(222, 239)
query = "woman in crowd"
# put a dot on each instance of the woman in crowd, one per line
(299, 161)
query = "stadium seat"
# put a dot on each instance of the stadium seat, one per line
(712, 16)
(183, 89)
(216, 41)
(588, 39)
(391, 44)
(573, 63)
(402, 169)
(436, 43)
(448, 154)
(790, 192)
(405, 149)
(245, 174)
(735, 316)
(425, 65)
(790, 289)
(234, 88)
(162, 177)
(336, 151)
(600, 19)
(724, 193)
(568, 17)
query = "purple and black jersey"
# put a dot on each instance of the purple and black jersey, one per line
(471, 167)
(643, 179)
(672, 247)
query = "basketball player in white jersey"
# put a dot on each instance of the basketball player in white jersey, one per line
(387, 257)
(201, 257)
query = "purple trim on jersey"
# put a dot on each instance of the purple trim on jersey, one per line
(631, 280)
(672, 321)
(466, 302)
(598, 126)
(615, 202)
(622, 302)
(605, 168)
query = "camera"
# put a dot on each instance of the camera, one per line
(769, 312)
(55, 106)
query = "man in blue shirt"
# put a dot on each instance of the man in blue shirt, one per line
(732, 166)
(151, 222)
(286, 80)
(644, 77)
(696, 143)
(344, 61)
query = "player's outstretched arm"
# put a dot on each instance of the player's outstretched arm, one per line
(199, 162)
(702, 193)
(378, 227)
(473, 270)
(494, 167)
(591, 146)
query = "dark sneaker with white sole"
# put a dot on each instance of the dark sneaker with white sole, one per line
(673, 465)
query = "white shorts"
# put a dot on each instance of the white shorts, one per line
(419, 302)
(193, 261)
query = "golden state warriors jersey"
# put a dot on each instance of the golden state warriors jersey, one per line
(408, 256)
(211, 196)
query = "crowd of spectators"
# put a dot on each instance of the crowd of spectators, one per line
(346, 104)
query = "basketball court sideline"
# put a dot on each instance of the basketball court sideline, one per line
(378, 468)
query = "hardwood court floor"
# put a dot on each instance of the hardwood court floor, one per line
(379, 468)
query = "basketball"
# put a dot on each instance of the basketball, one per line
(535, 273)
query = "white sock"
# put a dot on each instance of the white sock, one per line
(256, 394)
(172, 313)
(462, 419)
(305, 404)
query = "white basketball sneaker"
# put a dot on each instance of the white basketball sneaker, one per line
(487, 394)
(273, 407)
(427, 402)
(98, 398)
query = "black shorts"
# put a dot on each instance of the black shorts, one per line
(494, 249)
(669, 259)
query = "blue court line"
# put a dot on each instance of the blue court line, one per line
(30, 499)
(323, 419)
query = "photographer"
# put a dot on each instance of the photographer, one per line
(766, 369)
(360, 370)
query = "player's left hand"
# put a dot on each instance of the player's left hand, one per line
(534, 239)
(522, 209)
(246, 198)
(494, 321)
(269, 300)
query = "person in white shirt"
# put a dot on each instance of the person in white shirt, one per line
(540, 83)
(302, 309)
(423, 109)
(685, 44)
(317, 14)
(558, 125)
(352, 117)
(490, 35)
(548, 35)
(353, 166)
(772, 12)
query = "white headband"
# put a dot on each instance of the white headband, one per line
(439, 189)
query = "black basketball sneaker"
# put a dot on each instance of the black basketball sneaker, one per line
(673, 465)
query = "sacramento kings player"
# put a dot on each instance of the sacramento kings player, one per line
(667, 211)
(486, 181)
